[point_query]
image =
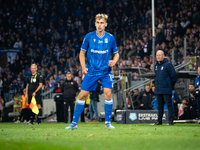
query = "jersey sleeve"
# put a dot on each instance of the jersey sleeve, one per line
(85, 43)
(40, 79)
(114, 46)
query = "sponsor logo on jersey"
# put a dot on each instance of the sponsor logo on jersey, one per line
(100, 41)
(99, 52)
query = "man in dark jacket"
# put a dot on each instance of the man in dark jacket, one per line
(164, 84)
(144, 98)
(69, 89)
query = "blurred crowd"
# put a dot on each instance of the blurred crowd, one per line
(49, 33)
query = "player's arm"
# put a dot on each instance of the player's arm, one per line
(114, 61)
(82, 61)
(115, 52)
(39, 87)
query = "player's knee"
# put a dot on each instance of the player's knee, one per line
(108, 95)
(82, 97)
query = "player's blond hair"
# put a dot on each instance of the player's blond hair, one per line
(100, 16)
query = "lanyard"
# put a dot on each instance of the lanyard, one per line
(33, 78)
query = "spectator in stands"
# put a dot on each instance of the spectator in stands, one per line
(160, 37)
(184, 111)
(192, 101)
(147, 46)
(18, 44)
(134, 99)
(144, 98)
(145, 65)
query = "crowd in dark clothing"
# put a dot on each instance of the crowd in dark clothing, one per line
(49, 33)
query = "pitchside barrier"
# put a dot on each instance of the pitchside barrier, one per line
(139, 116)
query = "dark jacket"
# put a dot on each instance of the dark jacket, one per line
(145, 98)
(69, 89)
(165, 77)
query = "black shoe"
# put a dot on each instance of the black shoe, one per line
(170, 123)
(157, 123)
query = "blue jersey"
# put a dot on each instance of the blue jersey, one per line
(99, 50)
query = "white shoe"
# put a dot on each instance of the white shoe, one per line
(109, 126)
(17, 121)
(25, 121)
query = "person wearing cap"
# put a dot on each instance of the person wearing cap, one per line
(69, 88)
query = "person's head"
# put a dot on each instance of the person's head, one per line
(198, 70)
(147, 88)
(17, 94)
(69, 76)
(145, 39)
(191, 88)
(144, 64)
(24, 91)
(185, 102)
(101, 22)
(136, 92)
(160, 55)
(33, 68)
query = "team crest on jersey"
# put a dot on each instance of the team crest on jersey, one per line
(34, 79)
(106, 40)
(94, 40)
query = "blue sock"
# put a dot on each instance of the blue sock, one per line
(78, 110)
(108, 110)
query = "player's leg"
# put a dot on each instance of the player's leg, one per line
(107, 83)
(89, 84)
(160, 100)
(108, 107)
(66, 106)
(39, 103)
(71, 109)
(167, 99)
(78, 110)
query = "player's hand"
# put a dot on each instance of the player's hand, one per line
(34, 94)
(111, 63)
(85, 71)
(26, 95)
(142, 105)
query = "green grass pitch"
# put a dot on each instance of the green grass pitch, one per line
(93, 136)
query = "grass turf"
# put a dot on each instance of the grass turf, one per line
(92, 136)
